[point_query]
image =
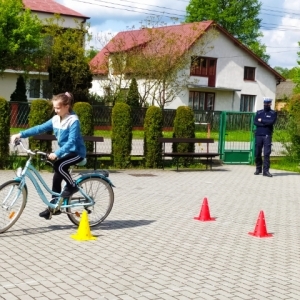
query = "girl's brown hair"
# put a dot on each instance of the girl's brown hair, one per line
(65, 98)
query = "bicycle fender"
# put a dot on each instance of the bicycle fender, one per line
(94, 175)
(18, 179)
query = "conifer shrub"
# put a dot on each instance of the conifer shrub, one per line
(84, 112)
(40, 112)
(4, 132)
(121, 137)
(152, 131)
(133, 96)
(184, 127)
(293, 148)
(19, 94)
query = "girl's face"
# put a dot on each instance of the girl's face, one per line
(60, 109)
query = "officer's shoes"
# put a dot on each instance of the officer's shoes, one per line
(257, 172)
(267, 174)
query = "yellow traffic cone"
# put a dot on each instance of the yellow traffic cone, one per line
(84, 232)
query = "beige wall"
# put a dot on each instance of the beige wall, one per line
(8, 83)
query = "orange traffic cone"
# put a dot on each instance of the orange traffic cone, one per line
(260, 229)
(204, 212)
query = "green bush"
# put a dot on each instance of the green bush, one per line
(4, 132)
(152, 131)
(293, 128)
(121, 137)
(40, 112)
(19, 94)
(133, 96)
(84, 112)
(184, 127)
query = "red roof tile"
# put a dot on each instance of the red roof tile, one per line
(126, 40)
(192, 32)
(51, 7)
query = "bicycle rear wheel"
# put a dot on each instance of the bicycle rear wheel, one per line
(102, 194)
(12, 202)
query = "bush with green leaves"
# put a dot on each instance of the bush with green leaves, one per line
(121, 137)
(84, 112)
(4, 132)
(40, 112)
(133, 96)
(153, 125)
(293, 128)
(184, 127)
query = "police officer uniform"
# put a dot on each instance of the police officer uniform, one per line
(264, 121)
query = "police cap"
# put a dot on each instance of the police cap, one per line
(267, 100)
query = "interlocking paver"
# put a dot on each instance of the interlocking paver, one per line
(150, 247)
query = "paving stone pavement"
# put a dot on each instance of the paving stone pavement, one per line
(150, 247)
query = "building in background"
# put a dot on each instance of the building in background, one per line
(37, 83)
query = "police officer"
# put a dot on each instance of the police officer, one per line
(264, 121)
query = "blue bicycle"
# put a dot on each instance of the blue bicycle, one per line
(95, 194)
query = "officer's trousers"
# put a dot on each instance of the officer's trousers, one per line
(263, 142)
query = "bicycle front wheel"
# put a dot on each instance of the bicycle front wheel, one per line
(13, 201)
(102, 194)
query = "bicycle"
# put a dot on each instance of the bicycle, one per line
(95, 194)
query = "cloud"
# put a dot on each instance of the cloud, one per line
(282, 41)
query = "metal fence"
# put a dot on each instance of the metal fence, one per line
(19, 113)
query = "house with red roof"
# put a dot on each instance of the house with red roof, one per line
(37, 83)
(219, 73)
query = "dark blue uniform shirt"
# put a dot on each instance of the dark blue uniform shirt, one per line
(268, 118)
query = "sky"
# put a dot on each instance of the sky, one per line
(280, 22)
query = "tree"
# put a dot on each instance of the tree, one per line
(238, 17)
(133, 96)
(19, 94)
(157, 56)
(69, 68)
(20, 37)
(285, 72)
(91, 53)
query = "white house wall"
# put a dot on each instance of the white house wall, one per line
(231, 60)
(9, 79)
(7, 84)
(69, 21)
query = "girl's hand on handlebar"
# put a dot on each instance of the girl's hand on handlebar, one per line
(52, 156)
(14, 137)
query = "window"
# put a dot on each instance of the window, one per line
(40, 89)
(34, 88)
(201, 100)
(203, 66)
(247, 103)
(249, 73)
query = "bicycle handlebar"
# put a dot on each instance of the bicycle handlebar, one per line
(18, 142)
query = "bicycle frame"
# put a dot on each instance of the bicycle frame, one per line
(30, 172)
(33, 174)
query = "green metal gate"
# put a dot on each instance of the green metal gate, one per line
(236, 139)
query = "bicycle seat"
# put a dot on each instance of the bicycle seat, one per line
(81, 163)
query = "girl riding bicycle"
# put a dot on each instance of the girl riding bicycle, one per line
(66, 127)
